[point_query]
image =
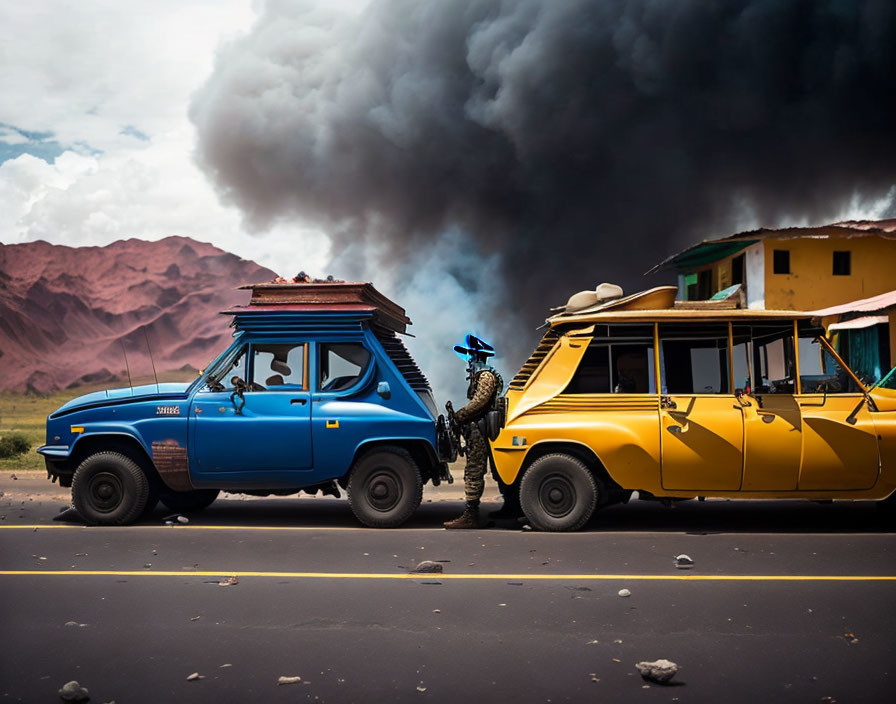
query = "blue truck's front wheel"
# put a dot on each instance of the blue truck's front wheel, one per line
(385, 487)
(109, 488)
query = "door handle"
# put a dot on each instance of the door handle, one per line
(766, 416)
(666, 402)
(300, 401)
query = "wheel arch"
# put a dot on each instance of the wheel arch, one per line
(582, 452)
(420, 450)
(124, 443)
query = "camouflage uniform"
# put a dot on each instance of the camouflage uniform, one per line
(482, 392)
(485, 385)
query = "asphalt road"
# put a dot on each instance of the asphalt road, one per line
(786, 602)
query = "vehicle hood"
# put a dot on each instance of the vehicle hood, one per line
(110, 397)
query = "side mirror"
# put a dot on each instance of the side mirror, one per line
(238, 384)
(240, 387)
(384, 390)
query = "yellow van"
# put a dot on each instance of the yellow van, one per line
(680, 400)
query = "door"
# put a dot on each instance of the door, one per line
(701, 428)
(839, 442)
(268, 428)
(343, 417)
(764, 372)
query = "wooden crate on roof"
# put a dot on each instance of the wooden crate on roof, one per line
(338, 295)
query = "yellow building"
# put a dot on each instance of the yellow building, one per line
(797, 268)
(805, 269)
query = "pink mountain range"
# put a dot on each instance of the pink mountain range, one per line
(70, 315)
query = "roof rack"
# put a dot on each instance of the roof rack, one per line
(324, 297)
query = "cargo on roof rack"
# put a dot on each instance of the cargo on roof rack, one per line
(326, 296)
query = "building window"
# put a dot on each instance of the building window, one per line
(781, 261)
(737, 270)
(690, 285)
(704, 284)
(842, 263)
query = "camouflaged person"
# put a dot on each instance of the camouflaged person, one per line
(485, 388)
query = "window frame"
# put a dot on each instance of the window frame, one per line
(250, 367)
(363, 378)
(847, 259)
(785, 253)
(226, 359)
(601, 337)
(725, 376)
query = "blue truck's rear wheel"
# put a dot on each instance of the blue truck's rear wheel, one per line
(109, 488)
(385, 487)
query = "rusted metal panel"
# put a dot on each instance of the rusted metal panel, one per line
(172, 464)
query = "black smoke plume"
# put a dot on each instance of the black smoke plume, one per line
(576, 141)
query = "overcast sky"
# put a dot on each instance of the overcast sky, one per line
(95, 141)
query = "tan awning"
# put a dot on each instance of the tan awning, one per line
(865, 305)
(857, 323)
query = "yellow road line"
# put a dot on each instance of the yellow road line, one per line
(180, 527)
(439, 577)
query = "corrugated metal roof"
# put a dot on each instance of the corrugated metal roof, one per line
(863, 305)
(859, 323)
(711, 250)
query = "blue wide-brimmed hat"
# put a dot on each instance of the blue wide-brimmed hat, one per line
(474, 347)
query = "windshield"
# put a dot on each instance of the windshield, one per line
(222, 364)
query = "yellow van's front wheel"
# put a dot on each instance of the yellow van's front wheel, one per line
(558, 493)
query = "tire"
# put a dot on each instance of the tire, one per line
(109, 489)
(189, 501)
(384, 487)
(558, 493)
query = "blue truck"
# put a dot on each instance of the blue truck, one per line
(317, 392)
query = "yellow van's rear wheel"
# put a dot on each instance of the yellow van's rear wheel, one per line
(558, 493)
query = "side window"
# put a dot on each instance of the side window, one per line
(694, 359)
(743, 360)
(619, 361)
(341, 365)
(820, 372)
(771, 358)
(278, 366)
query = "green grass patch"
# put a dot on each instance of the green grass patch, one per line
(26, 414)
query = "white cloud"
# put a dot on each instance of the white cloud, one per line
(84, 71)
(110, 82)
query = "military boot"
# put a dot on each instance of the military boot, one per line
(469, 518)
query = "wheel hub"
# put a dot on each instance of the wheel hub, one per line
(384, 490)
(557, 496)
(105, 492)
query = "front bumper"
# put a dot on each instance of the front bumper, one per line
(59, 452)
